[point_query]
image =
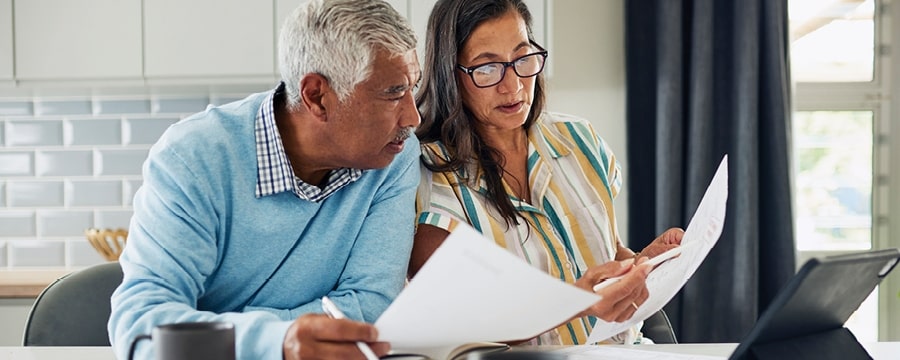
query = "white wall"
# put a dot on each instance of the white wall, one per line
(588, 74)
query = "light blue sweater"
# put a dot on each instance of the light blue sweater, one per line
(201, 244)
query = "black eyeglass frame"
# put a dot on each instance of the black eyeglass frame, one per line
(471, 69)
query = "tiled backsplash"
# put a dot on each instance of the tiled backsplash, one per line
(71, 162)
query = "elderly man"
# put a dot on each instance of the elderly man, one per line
(251, 212)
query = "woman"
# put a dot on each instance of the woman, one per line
(539, 184)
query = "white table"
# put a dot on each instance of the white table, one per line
(878, 351)
(56, 352)
(881, 350)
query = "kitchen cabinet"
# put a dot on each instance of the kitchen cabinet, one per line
(6, 40)
(164, 41)
(77, 39)
(208, 38)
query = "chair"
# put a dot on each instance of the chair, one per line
(658, 328)
(74, 309)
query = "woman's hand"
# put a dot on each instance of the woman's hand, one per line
(667, 240)
(622, 298)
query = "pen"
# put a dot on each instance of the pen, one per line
(656, 260)
(332, 310)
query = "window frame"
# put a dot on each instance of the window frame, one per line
(874, 96)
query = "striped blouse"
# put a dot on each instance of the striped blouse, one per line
(570, 227)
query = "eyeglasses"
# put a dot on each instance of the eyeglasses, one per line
(492, 73)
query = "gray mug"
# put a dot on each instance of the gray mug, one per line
(190, 341)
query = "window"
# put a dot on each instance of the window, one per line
(833, 179)
(842, 177)
(832, 41)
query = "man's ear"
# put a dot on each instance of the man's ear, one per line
(313, 88)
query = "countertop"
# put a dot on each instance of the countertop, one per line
(20, 283)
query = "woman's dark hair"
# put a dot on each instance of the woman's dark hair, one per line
(444, 118)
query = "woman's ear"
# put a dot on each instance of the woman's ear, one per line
(313, 88)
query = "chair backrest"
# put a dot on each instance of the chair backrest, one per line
(658, 328)
(74, 309)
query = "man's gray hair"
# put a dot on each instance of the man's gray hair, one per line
(338, 39)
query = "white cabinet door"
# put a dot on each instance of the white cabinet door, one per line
(6, 40)
(77, 39)
(208, 38)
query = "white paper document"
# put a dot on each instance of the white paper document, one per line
(699, 238)
(472, 290)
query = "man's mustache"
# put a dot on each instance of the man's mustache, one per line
(405, 133)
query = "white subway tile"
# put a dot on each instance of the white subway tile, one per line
(35, 193)
(49, 192)
(95, 132)
(81, 253)
(64, 107)
(16, 108)
(16, 163)
(131, 186)
(113, 219)
(17, 223)
(65, 162)
(110, 106)
(180, 105)
(119, 162)
(34, 132)
(64, 223)
(3, 253)
(146, 130)
(224, 99)
(25, 253)
(94, 193)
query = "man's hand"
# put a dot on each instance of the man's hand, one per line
(317, 336)
(621, 299)
(664, 242)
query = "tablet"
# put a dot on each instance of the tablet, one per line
(806, 319)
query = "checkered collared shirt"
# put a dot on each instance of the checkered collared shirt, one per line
(275, 174)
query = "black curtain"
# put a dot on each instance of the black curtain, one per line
(707, 78)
